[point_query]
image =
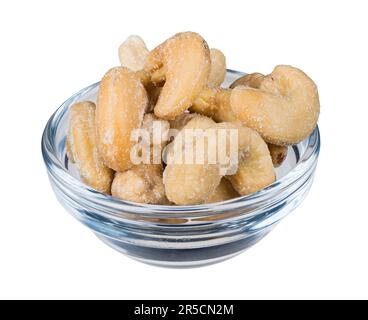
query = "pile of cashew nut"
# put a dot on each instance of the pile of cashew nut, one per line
(178, 85)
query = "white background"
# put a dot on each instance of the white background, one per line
(49, 50)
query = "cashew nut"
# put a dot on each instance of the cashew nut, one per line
(223, 192)
(181, 121)
(255, 168)
(190, 183)
(278, 154)
(133, 53)
(183, 63)
(284, 109)
(193, 183)
(82, 144)
(254, 80)
(218, 68)
(142, 183)
(122, 101)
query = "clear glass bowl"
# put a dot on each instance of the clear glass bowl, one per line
(177, 236)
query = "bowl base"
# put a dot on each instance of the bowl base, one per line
(183, 258)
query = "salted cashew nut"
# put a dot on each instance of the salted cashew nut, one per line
(122, 101)
(142, 183)
(190, 183)
(181, 121)
(193, 183)
(183, 64)
(218, 68)
(278, 154)
(133, 53)
(156, 136)
(156, 128)
(255, 168)
(284, 109)
(215, 102)
(82, 147)
(252, 80)
(224, 191)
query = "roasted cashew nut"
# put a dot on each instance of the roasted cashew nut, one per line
(122, 101)
(142, 183)
(255, 168)
(190, 183)
(224, 191)
(133, 53)
(82, 147)
(183, 63)
(254, 80)
(284, 109)
(218, 68)
(278, 154)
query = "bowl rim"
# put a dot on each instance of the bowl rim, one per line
(58, 172)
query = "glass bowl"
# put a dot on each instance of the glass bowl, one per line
(177, 236)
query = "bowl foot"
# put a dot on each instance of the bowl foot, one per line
(183, 258)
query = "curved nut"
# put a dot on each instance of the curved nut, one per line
(252, 80)
(223, 192)
(278, 154)
(142, 183)
(218, 68)
(214, 103)
(157, 128)
(190, 183)
(82, 144)
(183, 62)
(255, 168)
(133, 53)
(181, 121)
(122, 101)
(285, 108)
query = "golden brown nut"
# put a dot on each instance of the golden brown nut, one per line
(69, 152)
(83, 147)
(142, 183)
(193, 183)
(133, 53)
(214, 103)
(284, 109)
(218, 68)
(255, 168)
(252, 80)
(223, 192)
(278, 154)
(190, 183)
(122, 101)
(183, 63)
(156, 128)
(154, 136)
(181, 121)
